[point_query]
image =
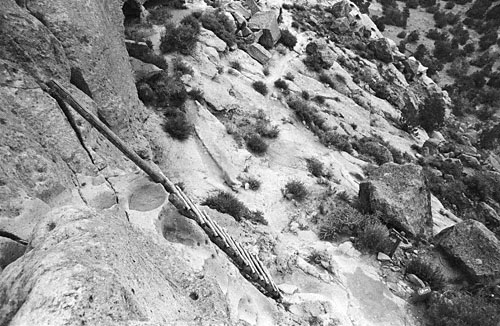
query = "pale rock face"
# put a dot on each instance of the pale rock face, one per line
(475, 247)
(400, 193)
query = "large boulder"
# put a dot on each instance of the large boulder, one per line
(259, 53)
(382, 50)
(322, 53)
(400, 193)
(475, 247)
(267, 22)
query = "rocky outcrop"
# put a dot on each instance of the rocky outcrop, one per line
(267, 22)
(400, 193)
(382, 49)
(86, 267)
(259, 53)
(475, 247)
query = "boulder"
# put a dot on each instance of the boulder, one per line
(143, 70)
(400, 193)
(341, 9)
(341, 25)
(208, 38)
(487, 214)
(469, 161)
(325, 55)
(382, 50)
(475, 247)
(237, 8)
(267, 22)
(258, 52)
(254, 7)
(241, 22)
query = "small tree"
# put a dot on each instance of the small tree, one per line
(431, 116)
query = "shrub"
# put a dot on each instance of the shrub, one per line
(253, 183)
(413, 37)
(342, 220)
(181, 68)
(319, 99)
(315, 166)
(260, 87)
(196, 94)
(339, 141)
(170, 91)
(181, 38)
(306, 112)
(326, 79)
(266, 71)
(159, 15)
(305, 95)
(227, 203)
(296, 189)
(401, 34)
(256, 144)
(178, 126)
(218, 23)
(459, 309)
(426, 272)
(265, 129)
(373, 148)
(288, 39)
(235, 65)
(289, 76)
(281, 84)
(431, 116)
(374, 237)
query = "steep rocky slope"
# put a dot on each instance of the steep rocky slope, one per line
(105, 245)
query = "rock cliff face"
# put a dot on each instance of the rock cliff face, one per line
(44, 148)
(94, 267)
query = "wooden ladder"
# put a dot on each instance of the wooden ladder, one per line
(249, 264)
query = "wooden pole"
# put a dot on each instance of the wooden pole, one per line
(59, 92)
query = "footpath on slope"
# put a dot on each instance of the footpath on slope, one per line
(249, 264)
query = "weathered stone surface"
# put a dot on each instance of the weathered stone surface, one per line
(399, 192)
(237, 7)
(324, 53)
(210, 39)
(147, 197)
(254, 7)
(469, 161)
(10, 251)
(488, 215)
(143, 70)
(86, 267)
(475, 247)
(341, 9)
(267, 22)
(382, 49)
(258, 52)
(91, 34)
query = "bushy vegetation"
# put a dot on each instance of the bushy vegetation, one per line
(180, 67)
(253, 183)
(374, 237)
(256, 144)
(341, 220)
(235, 65)
(426, 272)
(168, 90)
(181, 38)
(315, 166)
(218, 23)
(296, 189)
(461, 309)
(267, 130)
(177, 125)
(227, 203)
(260, 87)
(281, 84)
(288, 39)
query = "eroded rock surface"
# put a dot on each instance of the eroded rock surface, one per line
(475, 247)
(94, 267)
(399, 192)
